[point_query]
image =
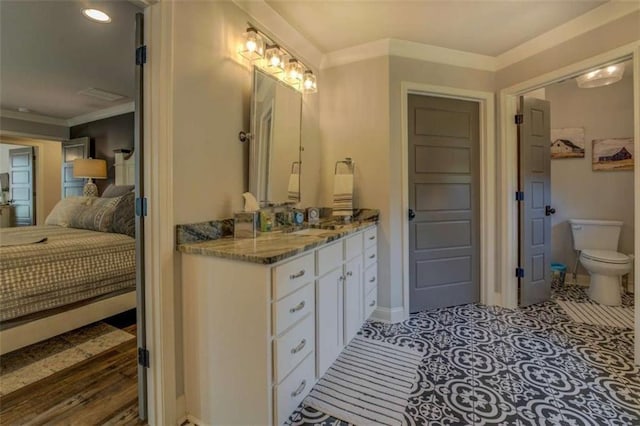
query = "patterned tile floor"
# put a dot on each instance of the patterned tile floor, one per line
(530, 366)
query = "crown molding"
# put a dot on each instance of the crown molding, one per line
(591, 20)
(279, 30)
(102, 114)
(73, 121)
(426, 52)
(35, 118)
(357, 53)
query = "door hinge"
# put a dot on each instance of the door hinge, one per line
(519, 196)
(141, 207)
(143, 357)
(141, 55)
(519, 272)
(519, 118)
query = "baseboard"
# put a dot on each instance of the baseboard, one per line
(388, 315)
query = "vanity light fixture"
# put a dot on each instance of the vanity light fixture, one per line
(96, 15)
(293, 73)
(253, 46)
(265, 54)
(309, 83)
(274, 59)
(601, 77)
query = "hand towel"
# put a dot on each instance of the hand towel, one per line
(343, 195)
(293, 190)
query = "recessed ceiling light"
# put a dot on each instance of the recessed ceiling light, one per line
(96, 15)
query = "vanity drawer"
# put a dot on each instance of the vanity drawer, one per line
(293, 307)
(329, 258)
(292, 347)
(353, 246)
(290, 393)
(290, 276)
(370, 302)
(371, 237)
(370, 278)
(370, 256)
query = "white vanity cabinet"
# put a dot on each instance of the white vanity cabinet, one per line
(257, 337)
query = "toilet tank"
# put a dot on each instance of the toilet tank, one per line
(595, 234)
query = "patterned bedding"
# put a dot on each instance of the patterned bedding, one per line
(72, 265)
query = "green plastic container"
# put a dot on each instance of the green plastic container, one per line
(558, 272)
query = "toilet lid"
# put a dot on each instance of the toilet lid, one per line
(606, 256)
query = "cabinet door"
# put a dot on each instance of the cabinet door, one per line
(329, 301)
(353, 294)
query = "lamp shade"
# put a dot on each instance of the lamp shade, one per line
(89, 168)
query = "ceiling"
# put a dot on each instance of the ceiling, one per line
(49, 52)
(486, 27)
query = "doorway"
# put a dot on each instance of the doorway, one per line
(443, 211)
(486, 186)
(508, 181)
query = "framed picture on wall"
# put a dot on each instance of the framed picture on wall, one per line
(613, 154)
(567, 143)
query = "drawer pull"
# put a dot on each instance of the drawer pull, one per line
(373, 237)
(298, 275)
(372, 256)
(300, 346)
(372, 304)
(297, 307)
(372, 280)
(299, 390)
(349, 273)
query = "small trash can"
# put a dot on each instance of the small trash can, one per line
(558, 272)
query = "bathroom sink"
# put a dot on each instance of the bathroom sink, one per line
(311, 231)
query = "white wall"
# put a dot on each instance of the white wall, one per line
(578, 191)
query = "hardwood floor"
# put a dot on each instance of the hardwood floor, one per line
(102, 390)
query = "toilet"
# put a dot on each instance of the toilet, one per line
(597, 241)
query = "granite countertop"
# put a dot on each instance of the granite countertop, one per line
(272, 247)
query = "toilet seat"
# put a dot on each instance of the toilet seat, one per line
(606, 256)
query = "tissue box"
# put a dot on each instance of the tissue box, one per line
(245, 224)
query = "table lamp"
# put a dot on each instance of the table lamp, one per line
(90, 168)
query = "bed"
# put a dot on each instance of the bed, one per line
(57, 278)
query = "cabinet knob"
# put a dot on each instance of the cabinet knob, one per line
(372, 280)
(349, 273)
(372, 256)
(373, 237)
(372, 304)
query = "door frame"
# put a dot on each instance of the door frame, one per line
(487, 181)
(508, 183)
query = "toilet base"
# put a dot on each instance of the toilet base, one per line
(605, 290)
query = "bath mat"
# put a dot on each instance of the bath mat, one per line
(595, 314)
(369, 383)
(35, 362)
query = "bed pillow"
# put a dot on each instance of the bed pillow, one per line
(113, 191)
(98, 216)
(67, 208)
(124, 219)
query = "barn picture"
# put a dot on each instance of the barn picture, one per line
(567, 143)
(613, 154)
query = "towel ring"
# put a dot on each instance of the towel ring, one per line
(351, 165)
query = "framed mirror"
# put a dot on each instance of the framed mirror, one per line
(274, 164)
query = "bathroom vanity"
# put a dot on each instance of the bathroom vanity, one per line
(264, 318)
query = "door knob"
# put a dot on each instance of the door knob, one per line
(548, 211)
(412, 214)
